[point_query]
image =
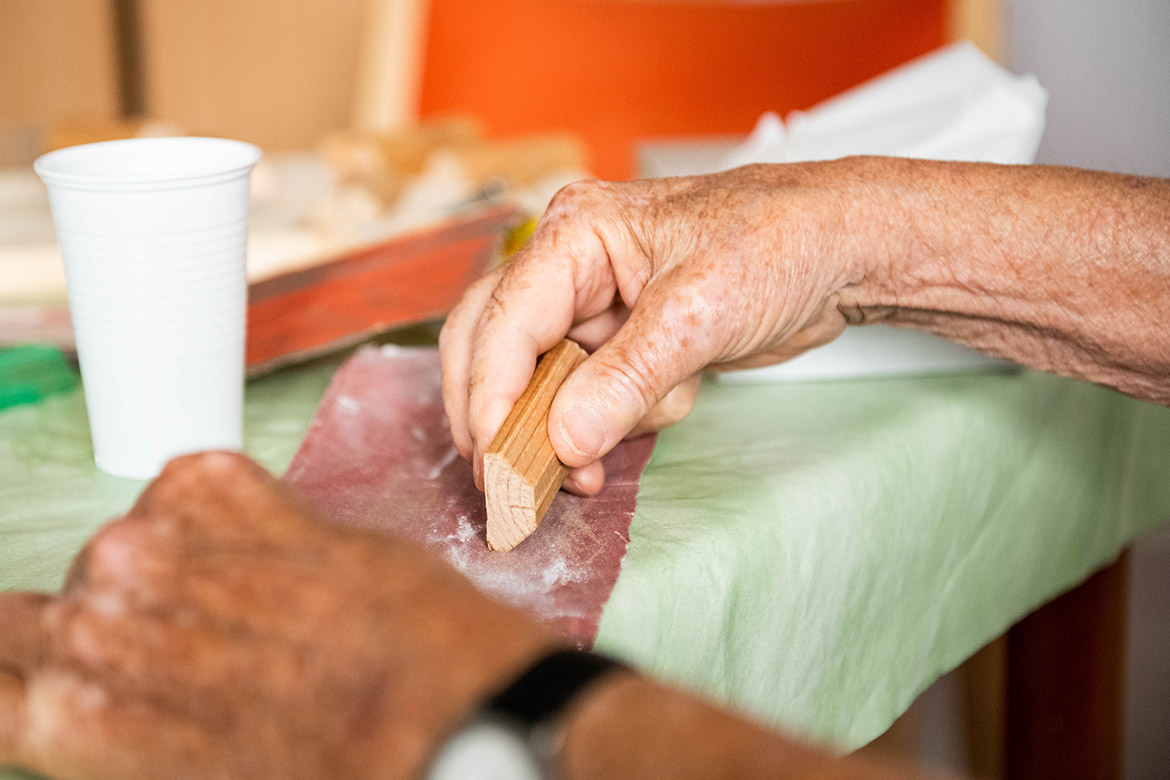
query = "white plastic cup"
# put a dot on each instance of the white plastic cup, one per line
(153, 233)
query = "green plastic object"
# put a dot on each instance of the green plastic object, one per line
(32, 372)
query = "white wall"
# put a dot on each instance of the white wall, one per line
(1106, 64)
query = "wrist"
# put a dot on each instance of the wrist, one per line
(891, 230)
(632, 727)
(940, 238)
(594, 726)
(440, 664)
(518, 729)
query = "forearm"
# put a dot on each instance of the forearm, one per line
(633, 727)
(1059, 269)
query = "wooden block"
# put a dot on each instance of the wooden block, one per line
(521, 472)
(1066, 684)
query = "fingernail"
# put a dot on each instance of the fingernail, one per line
(584, 431)
(492, 418)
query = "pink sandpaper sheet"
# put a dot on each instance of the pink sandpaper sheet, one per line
(379, 456)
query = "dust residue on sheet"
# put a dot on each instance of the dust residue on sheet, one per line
(379, 455)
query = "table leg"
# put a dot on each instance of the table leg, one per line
(1066, 683)
(983, 687)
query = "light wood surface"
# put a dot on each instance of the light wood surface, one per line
(56, 61)
(278, 73)
(521, 471)
(978, 21)
(390, 66)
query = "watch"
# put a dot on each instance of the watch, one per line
(515, 734)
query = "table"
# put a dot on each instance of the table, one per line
(815, 555)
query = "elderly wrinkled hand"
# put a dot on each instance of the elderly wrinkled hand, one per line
(659, 279)
(220, 629)
(1056, 268)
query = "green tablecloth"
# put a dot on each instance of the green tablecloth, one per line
(813, 554)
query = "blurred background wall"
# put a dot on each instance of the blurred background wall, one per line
(1107, 67)
(56, 59)
(56, 62)
(281, 73)
(622, 71)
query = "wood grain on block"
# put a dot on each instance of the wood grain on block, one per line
(521, 472)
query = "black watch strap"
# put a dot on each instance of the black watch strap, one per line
(541, 694)
(526, 715)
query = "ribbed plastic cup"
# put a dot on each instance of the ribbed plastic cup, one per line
(153, 234)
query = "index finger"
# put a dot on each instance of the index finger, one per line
(455, 356)
(562, 276)
(529, 312)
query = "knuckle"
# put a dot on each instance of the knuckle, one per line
(470, 310)
(572, 198)
(488, 281)
(232, 464)
(189, 476)
(496, 305)
(577, 190)
(631, 378)
(115, 536)
(472, 298)
(216, 463)
(112, 550)
(492, 319)
(694, 308)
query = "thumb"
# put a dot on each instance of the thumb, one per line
(661, 345)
